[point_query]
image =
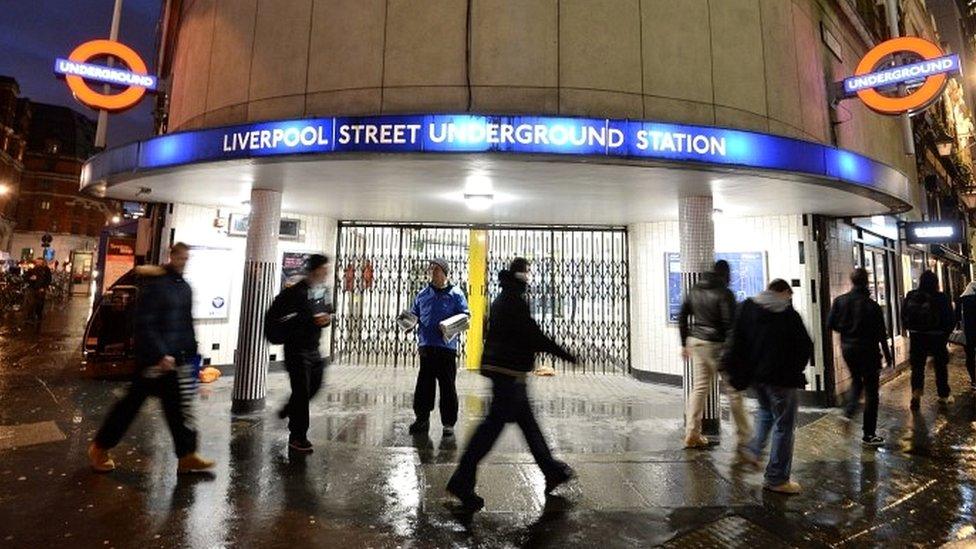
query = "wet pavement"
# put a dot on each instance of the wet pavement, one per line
(370, 484)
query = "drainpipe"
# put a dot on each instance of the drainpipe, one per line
(908, 139)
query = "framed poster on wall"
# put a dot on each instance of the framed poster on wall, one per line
(211, 289)
(748, 277)
(293, 267)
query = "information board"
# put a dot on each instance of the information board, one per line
(205, 273)
(748, 277)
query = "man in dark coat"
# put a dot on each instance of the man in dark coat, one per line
(703, 324)
(769, 339)
(38, 282)
(303, 309)
(927, 314)
(966, 317)
(859, 321)
(165, 346)
(511, 344)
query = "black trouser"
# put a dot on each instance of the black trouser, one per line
(438, 366)
(865, 366)
(509, 404)
(38, 297)
(305, 368)
(175, 390)
(971, 358)
(921, 346)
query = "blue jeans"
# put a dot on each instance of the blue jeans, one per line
(776, 414)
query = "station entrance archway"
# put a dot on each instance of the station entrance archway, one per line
(578, 291)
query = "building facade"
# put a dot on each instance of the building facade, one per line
(14, 126)
(622, 144)
(49, 202)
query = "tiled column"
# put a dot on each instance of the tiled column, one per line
(260, 273)
(696, 231)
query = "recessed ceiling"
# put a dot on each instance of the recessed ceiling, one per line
(425, 188)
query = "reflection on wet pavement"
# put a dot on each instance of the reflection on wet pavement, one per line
(370, 483)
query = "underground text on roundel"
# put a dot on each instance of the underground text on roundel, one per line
(466, 133)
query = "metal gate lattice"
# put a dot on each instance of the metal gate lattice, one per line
(578, 292)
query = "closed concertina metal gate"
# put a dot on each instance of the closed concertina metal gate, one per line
(578, 291)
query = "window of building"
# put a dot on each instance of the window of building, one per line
(45, 205)
(75, 228)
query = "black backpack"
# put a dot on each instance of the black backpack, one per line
(920, 313)
(276, 320)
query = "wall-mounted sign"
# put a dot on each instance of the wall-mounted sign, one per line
(747, 277)
(901, 75)
(288, 228)
(467, 133)
(934, 232)
(77, 72)
(211, 294)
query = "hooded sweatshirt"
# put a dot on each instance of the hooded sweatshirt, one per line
(768, 344)
(514, 337)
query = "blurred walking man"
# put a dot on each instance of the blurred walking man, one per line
(301, 311)
(439, 301)
(771, 346)
(165, 346)
(927, 314)
(860, 323)
(513, 340)
(704, 323)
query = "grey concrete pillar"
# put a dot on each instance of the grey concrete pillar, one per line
(696, 231)
(260, 273)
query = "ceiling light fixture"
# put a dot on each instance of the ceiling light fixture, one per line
(478, 192)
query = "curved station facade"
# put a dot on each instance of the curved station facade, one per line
(621, 145)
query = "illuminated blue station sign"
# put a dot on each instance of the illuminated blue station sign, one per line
(466, 133)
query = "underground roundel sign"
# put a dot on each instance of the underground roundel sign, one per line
(133, 79)
(901, 75)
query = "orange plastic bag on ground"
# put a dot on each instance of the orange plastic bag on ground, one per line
(209, 374)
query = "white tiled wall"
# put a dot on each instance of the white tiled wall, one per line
(194, 225)
(655, 345)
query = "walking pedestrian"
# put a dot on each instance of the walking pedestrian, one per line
(704, 322)
(512, 341)
(966, 318)
(301, 311)
(38, 279)
(769, 340)
(927, 314)
(437, 302)
(859, 321)
(165, 345)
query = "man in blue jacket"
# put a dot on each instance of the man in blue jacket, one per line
(439, 301)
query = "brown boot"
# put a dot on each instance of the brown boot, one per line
(99, 459)
(194, 463)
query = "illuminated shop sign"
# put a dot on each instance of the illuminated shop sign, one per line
(907, 86)
(933, 232)
(78, 72)
(506, 134)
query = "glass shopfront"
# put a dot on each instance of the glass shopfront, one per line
(876, 254)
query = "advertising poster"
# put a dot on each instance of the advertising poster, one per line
(748, 277)
(293, 267)
(206, 274)
(120, 258)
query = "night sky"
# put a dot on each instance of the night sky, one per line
(34, 32)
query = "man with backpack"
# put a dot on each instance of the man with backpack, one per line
(860, 323)
(927, 314)
(296, 319)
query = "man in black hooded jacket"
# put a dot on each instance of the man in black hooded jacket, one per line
(513, 340)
